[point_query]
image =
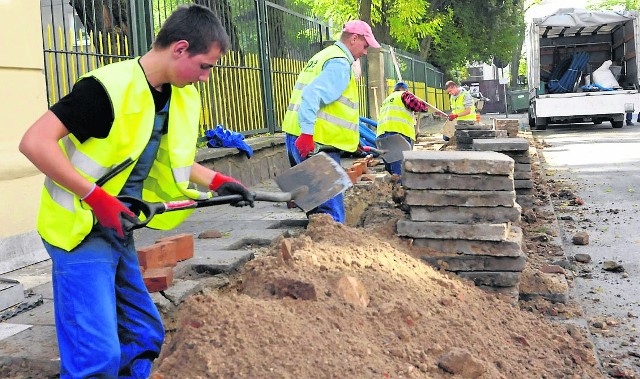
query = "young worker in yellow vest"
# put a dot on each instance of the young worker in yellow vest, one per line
(145, 111)
(462, 103)
(397, 116)
(323, 108)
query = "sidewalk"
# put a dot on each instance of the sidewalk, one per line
(29, 338)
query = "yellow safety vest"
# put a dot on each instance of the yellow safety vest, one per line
(457, 106)
(337, 124)
(64, 221)
(395, 117)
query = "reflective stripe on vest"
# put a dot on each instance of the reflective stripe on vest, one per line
(395, 117)
(337, 124)
(63, 219)
(457, 106)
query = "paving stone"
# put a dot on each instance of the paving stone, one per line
(522, 183)
(461, 198)
(457, 263)
(522, 167)
(493, 278)
(522, 175)
(458, 162)
(501, 144)
(219, 262)
(475, 126)
(447, 230)
(465, 215)
(479, 182)
(510, 247)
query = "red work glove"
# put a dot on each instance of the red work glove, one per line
(366, 149)
(305, 144)
(108, 210)
(226, 185)
(452, 116)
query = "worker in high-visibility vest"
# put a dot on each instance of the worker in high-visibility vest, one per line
(323, 111)
(398, 116)
(127, 128)
(462, 103)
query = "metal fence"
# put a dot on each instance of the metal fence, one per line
(423, 79)
(248, 90)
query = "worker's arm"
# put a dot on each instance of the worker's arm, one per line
(416, 104)
(222, 184)
(324, 89)
(40, 145)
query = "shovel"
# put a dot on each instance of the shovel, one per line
(390, 148)
(309, 184)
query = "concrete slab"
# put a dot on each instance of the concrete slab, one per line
(9, 329)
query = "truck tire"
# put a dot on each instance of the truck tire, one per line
(532, 122)
(617, 124)
(541, 123)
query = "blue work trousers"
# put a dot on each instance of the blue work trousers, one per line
(394, 167)
(333, 206)
(106, 322)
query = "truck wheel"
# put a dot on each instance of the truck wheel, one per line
(532, 122)
(617, 124)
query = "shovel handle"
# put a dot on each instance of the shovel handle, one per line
(150, 209)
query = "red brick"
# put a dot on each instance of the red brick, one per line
(184, 248)
(158, 255)
(158, 279)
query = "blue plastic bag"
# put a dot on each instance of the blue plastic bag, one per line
(220, 137)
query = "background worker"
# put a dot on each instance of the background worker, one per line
(397, 116)
(323, 108)
(144, 110)
(462, 103)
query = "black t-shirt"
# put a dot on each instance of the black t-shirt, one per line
(87, 112)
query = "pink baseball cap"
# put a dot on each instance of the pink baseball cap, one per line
(363, 29)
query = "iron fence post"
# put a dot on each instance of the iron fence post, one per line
(142, 27)
(263, 51)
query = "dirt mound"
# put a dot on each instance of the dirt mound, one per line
(338, 301)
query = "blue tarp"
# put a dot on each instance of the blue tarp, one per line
(219, 137)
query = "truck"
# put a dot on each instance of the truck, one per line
(599, 36)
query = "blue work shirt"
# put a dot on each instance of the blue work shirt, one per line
(324, 89)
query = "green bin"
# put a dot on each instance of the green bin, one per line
(518, 101)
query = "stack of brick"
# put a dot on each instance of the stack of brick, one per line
(518, 150)
(158, 260)
(468, 131)
(462, 206)
(510, 125)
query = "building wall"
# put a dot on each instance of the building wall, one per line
(22, 100)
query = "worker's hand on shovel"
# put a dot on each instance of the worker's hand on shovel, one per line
(109, 211)
(225, 185)
(452, 116)
(305, 145)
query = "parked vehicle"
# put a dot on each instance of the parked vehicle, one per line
(563, 51)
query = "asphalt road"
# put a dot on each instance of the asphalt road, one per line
(601, 165)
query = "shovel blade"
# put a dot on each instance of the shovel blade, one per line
(314, 181)
(393, 146)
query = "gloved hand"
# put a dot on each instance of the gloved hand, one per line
(305, 144)
(366, 149)
(452, 116)
(226, 185)
(108, 210)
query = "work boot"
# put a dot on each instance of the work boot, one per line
(629, 123)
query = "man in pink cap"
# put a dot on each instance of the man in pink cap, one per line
(323, 112)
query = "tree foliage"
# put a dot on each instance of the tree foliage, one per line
(447, 33)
